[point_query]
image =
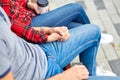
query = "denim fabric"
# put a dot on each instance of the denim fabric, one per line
(62, 16)
(84, 43)
(104, 78)
(84, 38)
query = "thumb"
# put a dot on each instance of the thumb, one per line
(37, 10)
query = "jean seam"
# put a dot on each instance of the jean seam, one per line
(53, 57)
(70, 16)
(94, 56)
(93, 60)
(65, 18)
(84, 19)
(76, 50)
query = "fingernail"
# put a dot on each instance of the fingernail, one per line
(62, 33)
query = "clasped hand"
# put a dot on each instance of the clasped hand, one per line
(58, 33)
(55, 33)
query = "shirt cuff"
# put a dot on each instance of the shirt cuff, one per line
(45, 37)
(5, 73)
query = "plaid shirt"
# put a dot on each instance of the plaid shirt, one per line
(20, 18)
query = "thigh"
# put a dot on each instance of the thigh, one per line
(53, 68)
(61, 16)
(57, 17)
(104, 78)
(80, 39)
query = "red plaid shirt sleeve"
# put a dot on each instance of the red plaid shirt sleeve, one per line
(20, 18)
(28, 33)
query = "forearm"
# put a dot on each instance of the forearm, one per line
(29, 33)
(46, 30)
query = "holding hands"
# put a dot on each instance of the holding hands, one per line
(56, 33)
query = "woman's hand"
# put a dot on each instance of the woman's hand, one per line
(65, 36)
(59, 30)
(53, 37)
(34, 6)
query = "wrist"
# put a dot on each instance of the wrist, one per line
(45, 29)
(43, 35)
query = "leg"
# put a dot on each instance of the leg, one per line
(62, 16)
(104, 78)
(84, 42)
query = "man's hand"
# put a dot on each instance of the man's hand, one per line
(56, 37)
(53, 37)
(64, 37)
(77, 72)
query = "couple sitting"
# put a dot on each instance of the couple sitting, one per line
(68, 33)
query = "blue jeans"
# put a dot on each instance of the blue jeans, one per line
(104, 78)
(84, 38)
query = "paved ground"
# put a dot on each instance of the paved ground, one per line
(106, 14)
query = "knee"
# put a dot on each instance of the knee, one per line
(76, 6)
(96, 31)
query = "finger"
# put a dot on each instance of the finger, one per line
(84, 77)
(60, 38)
(53, 37)
(67, 30)
(82, 66)
(85, 69)
(58, 30)
(37, 10)
(65, 33)
(47, 10)
(61, 33)
(64, 28)
(83, 72)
